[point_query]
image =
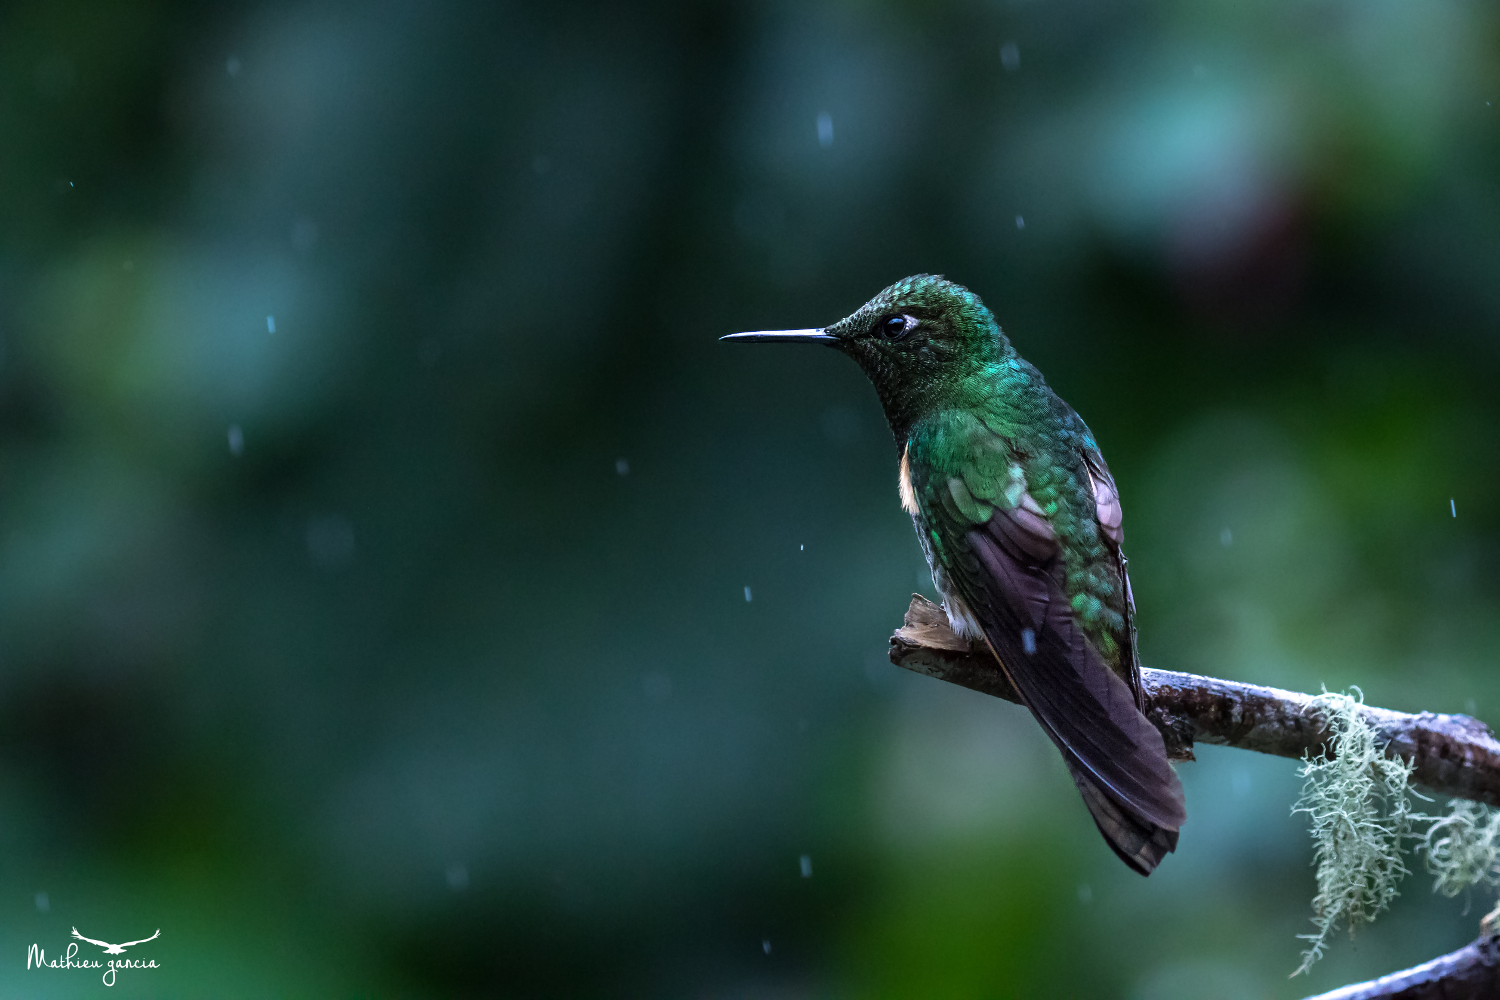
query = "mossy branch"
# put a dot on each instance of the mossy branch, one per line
(1449, 754)
(1358, 761)
(1357, 803)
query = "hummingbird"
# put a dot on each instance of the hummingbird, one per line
(1021, 525)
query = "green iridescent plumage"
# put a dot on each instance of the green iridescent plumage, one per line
(986, 411)
(968, 463)
(1020, 522)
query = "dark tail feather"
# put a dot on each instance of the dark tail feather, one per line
(1140, 843)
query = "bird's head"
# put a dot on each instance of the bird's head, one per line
(926, 343)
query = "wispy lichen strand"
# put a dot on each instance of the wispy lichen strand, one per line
(1356, 801)
(1462, 849)
(1383, 753)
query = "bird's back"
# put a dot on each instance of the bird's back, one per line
(1021, 523)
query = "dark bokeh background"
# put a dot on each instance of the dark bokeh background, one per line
(489, 629)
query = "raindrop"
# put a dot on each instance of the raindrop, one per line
(270, 324)
(1226, 537)
(1028, 641)
(1085, 894)
(233, 66)
(765, 946)
(622, 467)
(458, 877)
(806, 862)
(43, 903)
(825, 129)
(747, 595)
(1020, 222)
(1452, 507)
(236, 440)
(1010, 56)
(802, 548)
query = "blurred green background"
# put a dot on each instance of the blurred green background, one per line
(403, 594)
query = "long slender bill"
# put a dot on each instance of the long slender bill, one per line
(794, 336)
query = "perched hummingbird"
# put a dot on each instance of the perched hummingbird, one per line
(1021, 526)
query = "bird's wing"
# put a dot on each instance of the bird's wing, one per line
(153, 937)
(1110, 518)
(998, 546)
(102, 944)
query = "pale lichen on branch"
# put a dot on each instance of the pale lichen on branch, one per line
(1359, 764)
(1462, 849)
(1449, 754)
(1356, 801)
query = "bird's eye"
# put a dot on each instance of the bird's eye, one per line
(894, 328)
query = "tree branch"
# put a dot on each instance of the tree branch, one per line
(1452, 754)
(1470, 973)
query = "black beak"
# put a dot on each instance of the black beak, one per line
(794, 336)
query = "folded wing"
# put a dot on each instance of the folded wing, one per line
(1009, 572)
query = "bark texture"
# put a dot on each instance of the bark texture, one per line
(1452, 754)
(1470, 973)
